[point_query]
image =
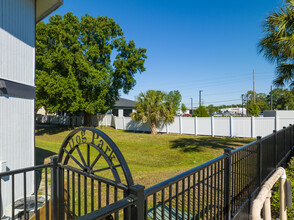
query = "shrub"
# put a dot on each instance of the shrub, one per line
(201, 112)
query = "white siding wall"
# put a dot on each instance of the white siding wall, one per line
(17, 34)
(17, 63)
(16, 142)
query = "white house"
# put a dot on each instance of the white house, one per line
(18, 20)
(123, 107)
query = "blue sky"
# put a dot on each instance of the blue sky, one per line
(192, 45)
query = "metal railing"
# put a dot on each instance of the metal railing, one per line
(263, 198)
(222, 188)
(19, 181)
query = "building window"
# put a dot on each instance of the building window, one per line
(115, 112)
(127, 112)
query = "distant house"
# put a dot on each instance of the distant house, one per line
(279, 113)
(123, 107)
(233, 111)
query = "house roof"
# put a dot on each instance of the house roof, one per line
(46, 7)
(124, 103)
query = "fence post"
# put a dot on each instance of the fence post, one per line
(276, 123)
(276, 147)
(54, 200)
(115, 122)
(60, 191)
(291, 141)
(259, 159)
(227, 182)
(285, 142)
(138, 210)
(181, 124)
(231, 126)
(282, 197)
(212, 126)
(124, 125)
(195, 125)
(252, 126)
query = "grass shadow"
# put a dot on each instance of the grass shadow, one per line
(51, 129)
(194, 144)
(42, 154)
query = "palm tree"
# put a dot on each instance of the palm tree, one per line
(278, 44)
(156, 107)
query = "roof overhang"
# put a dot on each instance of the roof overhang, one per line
(46, 7)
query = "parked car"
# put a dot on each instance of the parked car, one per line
(187, 115)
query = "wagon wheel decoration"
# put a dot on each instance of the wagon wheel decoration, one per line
(89, 149)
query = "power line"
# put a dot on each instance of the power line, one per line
(210, 81)
(192, 87)
(223, 101)
(216, 101)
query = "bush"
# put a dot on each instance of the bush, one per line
(253, 109)
(201, 112)
(275, 204)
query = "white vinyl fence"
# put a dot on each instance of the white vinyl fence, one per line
(213, 126)
(97, 120)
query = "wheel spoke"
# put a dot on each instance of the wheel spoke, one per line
(72, 157)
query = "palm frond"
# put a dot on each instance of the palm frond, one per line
(284, 74)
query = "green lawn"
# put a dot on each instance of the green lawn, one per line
(151, 158)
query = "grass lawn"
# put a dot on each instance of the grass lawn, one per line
(151, 158)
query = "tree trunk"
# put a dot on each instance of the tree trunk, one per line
(153, 128)
(70, 120)
(87, 119)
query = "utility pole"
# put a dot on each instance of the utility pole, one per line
(200, 97)
(271, 97)
(191, 106)
(247, 104)
(253, 87)
(242, 104)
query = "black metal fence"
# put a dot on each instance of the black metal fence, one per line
(21, 182)
(222, 188)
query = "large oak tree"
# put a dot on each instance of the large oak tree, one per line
(83, 64)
